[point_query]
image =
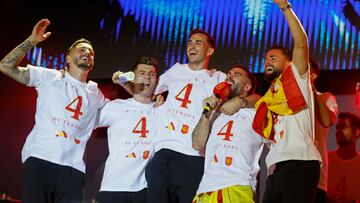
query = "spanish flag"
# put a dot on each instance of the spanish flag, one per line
(170, 126)
(131, 155)
(284, 97)
(62, 134)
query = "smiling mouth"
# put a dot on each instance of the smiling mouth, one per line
(269, 69)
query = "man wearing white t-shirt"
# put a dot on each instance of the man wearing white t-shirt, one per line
(64, 119)
(326, 110)
(232, 147)
(285, 115)
(132, 125)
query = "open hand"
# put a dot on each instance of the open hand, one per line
(38, 33)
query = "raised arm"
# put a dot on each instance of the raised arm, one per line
(202, 129)
(9, 64)
(301, 49)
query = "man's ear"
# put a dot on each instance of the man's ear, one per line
(247, 87)
(68, 59)
(210, 51)
(357, 133)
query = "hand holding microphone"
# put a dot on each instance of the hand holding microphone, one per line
(221, 93)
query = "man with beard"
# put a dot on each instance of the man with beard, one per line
(65, 117)
(285, 115)
(344, 162)
(232, 148)
(132, 128)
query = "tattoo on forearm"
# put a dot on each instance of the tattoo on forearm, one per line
(26, 46)
(11, 61)
(18, 52)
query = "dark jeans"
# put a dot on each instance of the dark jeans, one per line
(46, 182)
(173, 177)
(321, 196)
(293, 181)
(123, 197)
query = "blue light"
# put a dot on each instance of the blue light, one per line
(249, 25)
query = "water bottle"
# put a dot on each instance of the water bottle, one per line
(126, 77)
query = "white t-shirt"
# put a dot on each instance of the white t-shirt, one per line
(65, 117)
(294, 134)
(132, 128)
(232, 152)
(344, 177)
(183, 107)
(321, 135)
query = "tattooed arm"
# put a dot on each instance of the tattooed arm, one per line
(9, 64)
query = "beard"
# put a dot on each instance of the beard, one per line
(84, 66)
(272, 76)
(342, 141)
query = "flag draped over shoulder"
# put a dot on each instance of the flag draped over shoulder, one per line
(284, 97)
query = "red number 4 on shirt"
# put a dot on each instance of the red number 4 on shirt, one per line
(184, 94)
(227, 134)
(77, 102)
(140, 128)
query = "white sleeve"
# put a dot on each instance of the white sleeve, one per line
(221, 76)
(163, 83)
(38, 75)
(332, 104)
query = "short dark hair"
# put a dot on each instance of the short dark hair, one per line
(354, 119)
(145, 60)
(286, 52)
(314, 66)
(250, 76)
(81, 40)
(210, 39)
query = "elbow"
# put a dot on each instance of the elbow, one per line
(327, 124)
(196, 146)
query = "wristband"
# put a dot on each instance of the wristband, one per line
(286, 7)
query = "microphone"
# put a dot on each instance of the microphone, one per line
(221, 91)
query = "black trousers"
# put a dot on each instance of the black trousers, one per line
(122, 197)
(46, 182)
(173, 177)
(321, 196)
(293, 181)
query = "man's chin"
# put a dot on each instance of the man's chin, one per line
(271, 77)
(85, 67)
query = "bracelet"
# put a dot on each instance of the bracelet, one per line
(286, 7)
(243, 102)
